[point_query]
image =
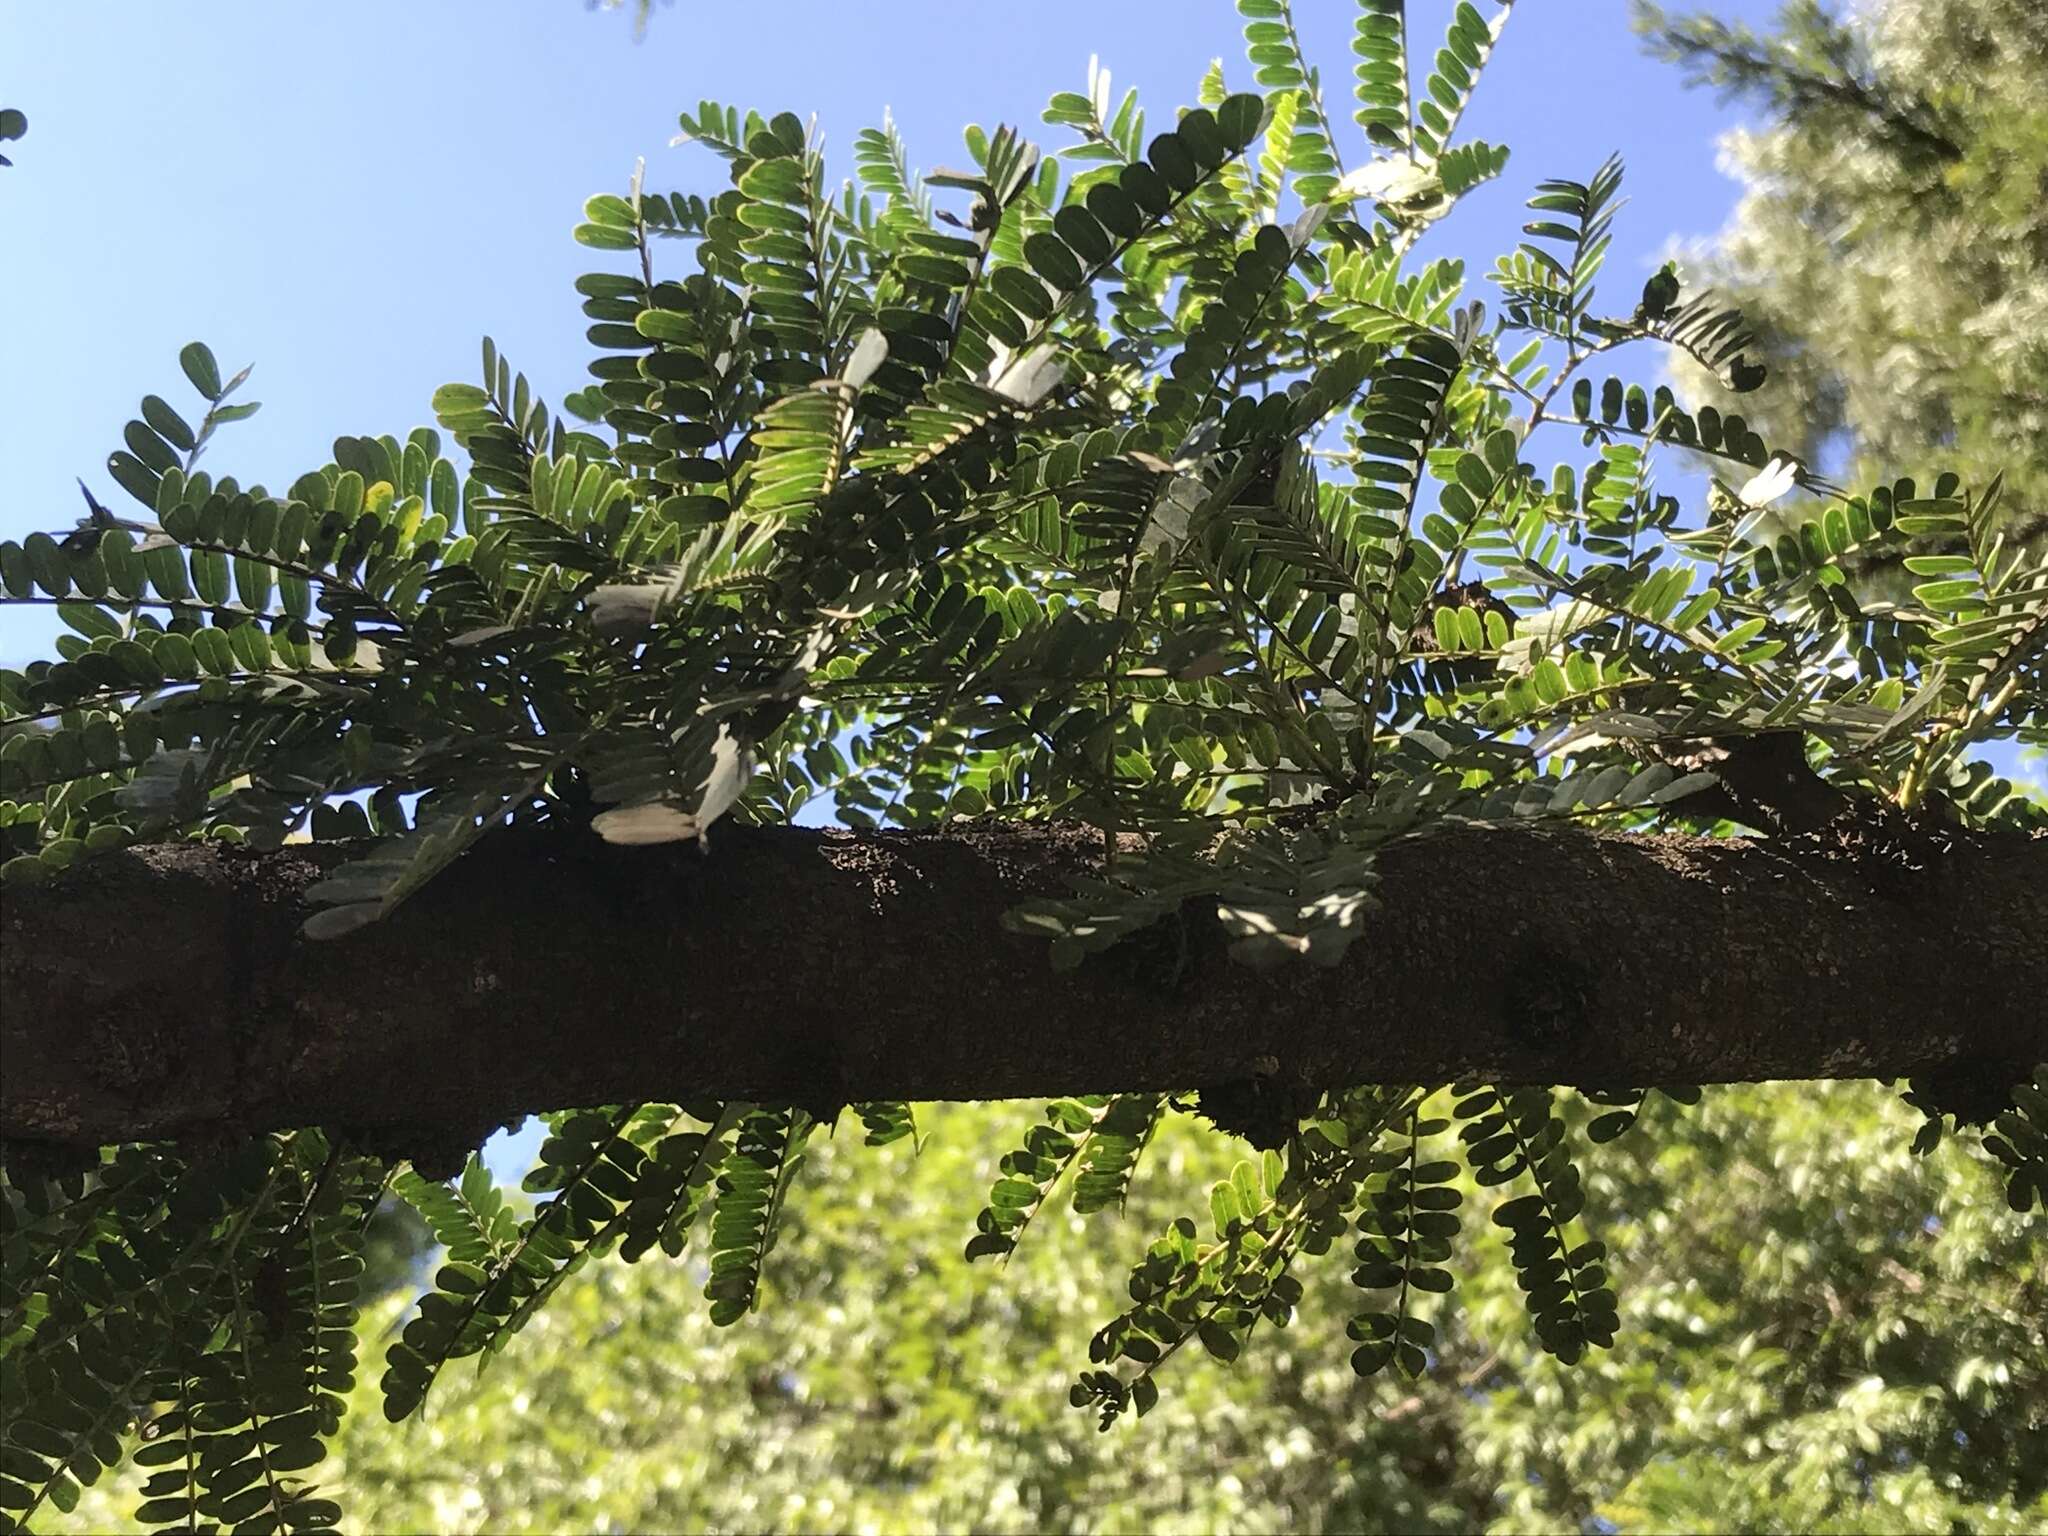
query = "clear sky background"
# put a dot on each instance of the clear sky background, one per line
(350, 195)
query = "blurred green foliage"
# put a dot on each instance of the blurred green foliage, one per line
(1891, 244)
(1820, 1333)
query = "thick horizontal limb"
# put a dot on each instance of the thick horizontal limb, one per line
(165, 991)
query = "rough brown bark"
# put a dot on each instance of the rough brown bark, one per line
(164, 991)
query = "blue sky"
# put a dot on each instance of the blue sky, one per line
(349, 196)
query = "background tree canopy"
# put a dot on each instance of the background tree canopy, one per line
(1148, 554)
(1892, 246)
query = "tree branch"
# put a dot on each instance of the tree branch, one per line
(1814, 61)
(164, 991)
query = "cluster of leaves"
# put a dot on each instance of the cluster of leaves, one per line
(631, 1178)
(1158, 486)
(1266, 1215)
(2013, 1118)
(1097, 1140)
(1885, 1369)
(205, 1305)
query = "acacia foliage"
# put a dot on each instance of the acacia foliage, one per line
(1771, 1372)
(1160, 482)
